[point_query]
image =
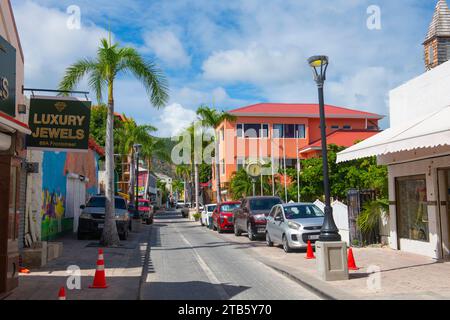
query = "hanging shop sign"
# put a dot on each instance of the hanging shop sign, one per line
(59, 124)
(7, 78)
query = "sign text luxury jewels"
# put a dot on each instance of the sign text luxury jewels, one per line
(59, 123)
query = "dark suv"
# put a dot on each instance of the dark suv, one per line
(250, 217)
(92, 219)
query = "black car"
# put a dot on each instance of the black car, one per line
(250, 217)
(92, 219)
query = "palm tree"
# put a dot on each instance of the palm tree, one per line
(212, 118)
(130, 134)
(102, 71)
(183, 171)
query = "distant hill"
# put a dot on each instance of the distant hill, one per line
(163, 166)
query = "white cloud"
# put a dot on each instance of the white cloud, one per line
(174, 119)
(167, 47)
(256, 64)
(49, 46)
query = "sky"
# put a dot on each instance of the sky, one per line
(229, 54)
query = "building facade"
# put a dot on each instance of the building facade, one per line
(416, 150)
(270, 133)
(13, 130)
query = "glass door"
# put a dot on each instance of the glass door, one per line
(444, 209)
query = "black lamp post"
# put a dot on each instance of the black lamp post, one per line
(137, 150)
(329, 231)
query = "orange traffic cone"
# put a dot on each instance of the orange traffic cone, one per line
(309, 252)
(351, 260)
(62, 294)
(100, 278)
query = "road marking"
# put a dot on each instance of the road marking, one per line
(209, 273)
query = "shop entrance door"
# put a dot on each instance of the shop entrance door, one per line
(444, 206)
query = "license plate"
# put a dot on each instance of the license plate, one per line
(314, 237)
(100, 226)
(262, 230)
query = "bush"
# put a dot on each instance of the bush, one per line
(197, 216)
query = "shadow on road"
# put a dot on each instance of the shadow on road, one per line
(195, 290)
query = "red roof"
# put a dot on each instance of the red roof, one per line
(301, 110)
(342, 138)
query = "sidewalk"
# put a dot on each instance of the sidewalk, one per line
(123, 271)
(402, 275)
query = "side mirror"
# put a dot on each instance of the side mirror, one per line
(279, 218)
(82, 207)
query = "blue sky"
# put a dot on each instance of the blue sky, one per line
(233, 53)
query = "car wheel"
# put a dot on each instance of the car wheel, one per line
(250, 233)
(268, 240)
(124, 236)
(149, 221)
(237, 232)
(286, 246)
(81, 236)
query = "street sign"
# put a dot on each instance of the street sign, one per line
(7, 78)
(59, 124)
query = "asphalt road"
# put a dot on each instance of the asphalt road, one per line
(189, 262)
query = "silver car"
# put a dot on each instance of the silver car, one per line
(293, 225)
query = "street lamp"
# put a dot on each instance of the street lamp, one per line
(137, 149)
(329, 231)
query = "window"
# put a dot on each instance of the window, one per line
(240, 164)
(239, 130)
(430, 54)
(290, 131)
(371, 128)
(412, 208)
(223, 167)
(335, 127)
(222, 134)
(252, 130)
(263, 203)
(347, 127)
(291, 163)
(303, 212)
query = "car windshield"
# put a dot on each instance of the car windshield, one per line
(144, 204)
(264, 203)
(229, 207)
(99, 202)
(211, 208)
(303, 212)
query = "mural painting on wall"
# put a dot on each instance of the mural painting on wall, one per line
(52, 210)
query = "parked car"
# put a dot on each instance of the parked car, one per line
(180, 204)
(250, 217)
(223, 216)
(207, 213)
(293, 225)
(92, 218)
(146, 211)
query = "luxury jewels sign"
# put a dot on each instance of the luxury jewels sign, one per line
(59, 123)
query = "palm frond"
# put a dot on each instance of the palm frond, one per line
(75, 73)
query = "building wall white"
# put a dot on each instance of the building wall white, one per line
(420, 96)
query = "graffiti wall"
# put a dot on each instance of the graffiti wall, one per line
(55, 168)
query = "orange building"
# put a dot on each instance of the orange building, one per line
(270, 132)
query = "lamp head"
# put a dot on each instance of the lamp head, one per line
(319, 65)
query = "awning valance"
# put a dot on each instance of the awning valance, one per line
(11, 124)
(429, 131)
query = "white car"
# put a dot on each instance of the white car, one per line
(207, 213)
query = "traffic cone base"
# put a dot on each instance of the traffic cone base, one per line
(62, 294)
(310, 252)
(351, 261)
(100, 276)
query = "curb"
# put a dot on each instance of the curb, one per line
(317, 286)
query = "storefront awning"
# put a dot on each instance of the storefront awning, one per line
(428, 131)
(12, 125)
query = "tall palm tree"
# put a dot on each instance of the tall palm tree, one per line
(183, 171)
(212, 118)
(102, 71)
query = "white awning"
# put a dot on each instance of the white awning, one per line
(428, 131)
